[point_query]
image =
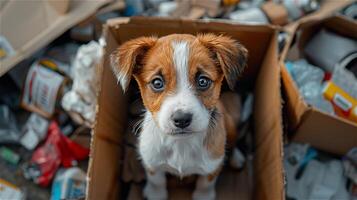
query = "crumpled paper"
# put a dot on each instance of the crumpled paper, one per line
(81, 99)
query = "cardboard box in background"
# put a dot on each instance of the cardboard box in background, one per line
(106, 156)
(323, 131)
(30, 25)
(327, 7)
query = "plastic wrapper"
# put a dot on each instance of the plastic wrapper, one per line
(10, 191)
(134, 7)
(308, 177)
(9, 155)
(9, 132)
(309, 80)
(34, 131)
(299, 8)
(56, 151)
(81, 99)
(6, 50)
(251, 15)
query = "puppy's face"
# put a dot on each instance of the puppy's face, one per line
(180, 76)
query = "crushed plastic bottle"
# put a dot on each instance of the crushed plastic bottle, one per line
(309, 79)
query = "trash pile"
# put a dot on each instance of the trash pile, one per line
(279, 12)
(45, 121)
(312, 174)
(331, 83)
(47, 110)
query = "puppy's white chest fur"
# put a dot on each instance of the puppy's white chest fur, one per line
(178, 155)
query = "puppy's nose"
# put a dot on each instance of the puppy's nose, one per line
(181, 119)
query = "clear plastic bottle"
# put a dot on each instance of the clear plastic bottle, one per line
(69, 184)
(309, 80)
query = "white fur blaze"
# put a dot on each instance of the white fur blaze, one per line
(181, 56)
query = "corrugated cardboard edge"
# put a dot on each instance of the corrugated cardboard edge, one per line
(276, 13)
(61, 6)
(79, 11)
(295, 103)
(102, 142)
(313, 121)
(326, 9)
(271, 75)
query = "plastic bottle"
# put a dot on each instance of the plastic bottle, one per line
(69, 184)
(309, 80)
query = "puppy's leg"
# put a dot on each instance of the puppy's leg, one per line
(237, 159)
(155, 188)
(205, 189)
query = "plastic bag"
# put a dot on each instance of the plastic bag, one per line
(57, 150)
(9, 132)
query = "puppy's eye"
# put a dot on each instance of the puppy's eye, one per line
(203, 82)
(157, 84)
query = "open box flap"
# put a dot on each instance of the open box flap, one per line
(106, 142)
(295, 103)
(30, 25)
(326, 9)
(268, 128)
(337, 24)
(326, 132)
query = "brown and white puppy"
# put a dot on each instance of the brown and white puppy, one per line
(185, 126)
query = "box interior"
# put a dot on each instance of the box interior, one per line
(309, 124)
(263, 70)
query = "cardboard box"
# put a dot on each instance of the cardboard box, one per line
(262, 75)
(327, 7)
(321, 130)
(30, 25)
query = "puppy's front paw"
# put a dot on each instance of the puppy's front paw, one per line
(204, 194)
(237, 160)
(153, 192)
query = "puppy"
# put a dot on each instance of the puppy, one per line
(185, 129)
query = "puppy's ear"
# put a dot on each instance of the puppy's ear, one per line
(128, 57)
(230, 55)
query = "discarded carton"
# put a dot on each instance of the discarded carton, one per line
(262, 75)
(321, 130)
(41, 90)
(30, 25)
(326, 9)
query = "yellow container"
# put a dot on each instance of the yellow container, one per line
(344, 105)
